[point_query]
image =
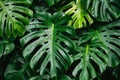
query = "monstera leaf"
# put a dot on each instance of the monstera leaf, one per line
(104, 10)
(17, 69)
(98, 47)
(5, 47)
(13, 17)
(48, 43)
(80, 16)
(110, 36)
(90, 54)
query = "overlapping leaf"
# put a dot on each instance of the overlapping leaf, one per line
(90, 53)
(5, 47)
(98, 47)
(110, 36)
(13, 17)
(104, 10)
(80, 16)
(18, 69)
(48, 43)
(116, 72)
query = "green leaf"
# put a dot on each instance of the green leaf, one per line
(110, 36)
(104, 10)
(80, 16)
(49, 44)
(5, 47)
(116, 72)
(14, 15)
(87, 54)
(17, 69)
(98, 47)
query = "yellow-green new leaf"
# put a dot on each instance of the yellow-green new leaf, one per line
(80, 16)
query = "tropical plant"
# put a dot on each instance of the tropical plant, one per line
(13, 16)
(49, 43)
(59, 39)
(80, 17)
(104, 10)
(99, 46)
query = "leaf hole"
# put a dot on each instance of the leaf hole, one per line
(1, 10)
(47, 49)
(45, 35)
(63, 44)
(45, 42)
(32, 40)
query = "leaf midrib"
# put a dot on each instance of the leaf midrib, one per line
(52, 50)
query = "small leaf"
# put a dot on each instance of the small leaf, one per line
(6, 47)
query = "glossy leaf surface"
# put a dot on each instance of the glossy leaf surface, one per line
(13, 17)
(49, 44)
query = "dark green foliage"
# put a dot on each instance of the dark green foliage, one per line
(59, 39)
(5, 47)
(18, 69)
(101, 46)
(51, 2)
(116, 72)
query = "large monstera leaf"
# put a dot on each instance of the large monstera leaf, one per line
(5, 47)
(104, 10)
(98, 47)
(90, 53)
(14, 15)
(48, 43)
(80, 16)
